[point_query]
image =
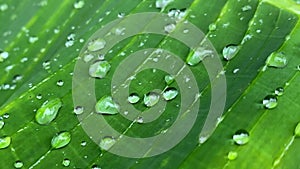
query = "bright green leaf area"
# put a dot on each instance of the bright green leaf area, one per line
(43, 39)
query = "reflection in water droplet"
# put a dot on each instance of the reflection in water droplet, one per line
(169, 79)
(270, 102)
(170, 94)
(78, 110)
(107, 142)
(66, 162)
(198, 55)
(133, 98)
(18, 164)
(241, 137)
(61, 140)
(230, 51)
(106, 105)
(5, 142)
(277, 59)
(279, 91)
(151, 99)
(99, 69)
(96, 44)
(232, 155)
(48, 111)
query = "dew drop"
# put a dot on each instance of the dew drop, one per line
(170, 94)
(83, 143)
(33, 39)
(230, 51)
(246, 8)
(169, 28)
(99, 69)
(60, 83)
(3, 7)
(5, 142)
(88, 57)
(140, 120)
(270, 102)
(133, 98)
(39, 96)
(48, 111)
(61, 140)
(198, 55)
(66, 162)
(232, 155)
(107, 142)
(241, 137)
(161, 4)
(96, 167)
(169, 79)
(18, 164)
(78, 4)
(151, 99)
(78, 110)
(106, 105)
(212, 27)
(96, 44)
(3, 55)
(279, 91)
(277, 60)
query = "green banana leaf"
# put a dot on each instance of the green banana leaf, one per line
(40, 44)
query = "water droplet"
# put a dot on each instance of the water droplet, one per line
(133, 98)
(198, 55)
(78, 4)
(170, 94)
(3, 55)
(99, 69)
(169, 79)
(241, 137)
(202, 139)
(5, 142)
(61, 140)
(66, 162)
(88, 57)
(169, 28)
(232, 155)
(1, 124)
(230, 51)
(48, 111)
(39, 96)
(18, 164)
(140, 120)
(121, 15)
(270, 102)
(277, 59)
(212, 27)
(78, 110)
(161, 4)
(96, 44)
(151, 99)
(297, 130)
(279, 91)
(83, 143)
(107, 142)
(3, 7)
(235, 71)
(106, 105)
(60, 83)
(246, 8)
(96, 167)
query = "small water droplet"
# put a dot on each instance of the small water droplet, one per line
(198, 55)
(88, 57)
(3, 7)
(170, 94)
(246, 8)
(96, 44)
(140, 120)
(235, 71)
(18, 164)
(99, 69)
(33, 39)
(121, 15)
(277, 59)
(297, 130)
(270, 102)
(241, 137)
(151, 99)
(202, 139)
(212, 27)
(232, 155)
(107, 142)
(230, 51)
(133, 98)
(48, 111)
(2, 123)
(3, 55)
(78, 110)
(61, 140)
(169, 28)
(279, 91)
(83, 143)
(60, 83)
(169, 79)
(78, 4)
(106, 105)
(5, 142)
(96, 167)
(39, 96)
(66, 162)
(161, 4)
